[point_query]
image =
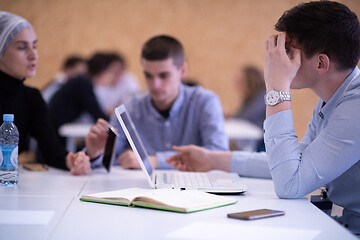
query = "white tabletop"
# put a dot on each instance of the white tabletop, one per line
(235, 129)
(238, 129)
(53, 196)
(75, 129)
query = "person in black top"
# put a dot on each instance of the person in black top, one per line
(73, 66)
(77, 95)
(18, 57)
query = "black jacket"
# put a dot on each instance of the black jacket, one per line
(31, 118)
(73, 99)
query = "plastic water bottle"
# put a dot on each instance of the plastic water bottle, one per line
(9, 140)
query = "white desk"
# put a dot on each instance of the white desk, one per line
(72, 131)
(58, 192)
(238, 129)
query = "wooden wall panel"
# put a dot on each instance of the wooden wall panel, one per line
(219, 36)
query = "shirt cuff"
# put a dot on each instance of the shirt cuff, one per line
(97, 162)
(278, 123)
(161, 159)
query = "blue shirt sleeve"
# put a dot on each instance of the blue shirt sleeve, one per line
(300, 168)
(250, 164)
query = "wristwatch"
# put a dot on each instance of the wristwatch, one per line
(273, 97)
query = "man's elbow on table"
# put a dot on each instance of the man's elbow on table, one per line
(289, 189)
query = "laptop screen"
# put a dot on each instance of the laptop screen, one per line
(133, 137)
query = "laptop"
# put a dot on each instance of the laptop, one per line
(212, 182)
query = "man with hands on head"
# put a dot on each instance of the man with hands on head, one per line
(171, 113)
(318, 47)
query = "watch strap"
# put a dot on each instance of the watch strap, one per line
(285, 96)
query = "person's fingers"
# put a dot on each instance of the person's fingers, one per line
(281, 39)
(174, 158)
(179, 166)
(71, 155)
(77, 158)
(98, 131)
(103, 123)
(272, 41)
(127, 164)
(181, 148)
(171, 162)
(83, 167)
(176, 162)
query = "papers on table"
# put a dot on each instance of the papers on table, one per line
(25, 217)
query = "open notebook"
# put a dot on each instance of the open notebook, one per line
(214, 182)
(163, 199)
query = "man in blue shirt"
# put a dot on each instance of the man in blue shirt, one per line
(318, 47)
(171, 113)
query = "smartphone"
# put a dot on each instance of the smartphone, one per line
(256, 214)
(109, 149)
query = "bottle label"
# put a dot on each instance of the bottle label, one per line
(9, 157)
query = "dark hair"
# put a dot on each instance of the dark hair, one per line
(254, 81)
(117, 57)
(163, 47)
(72, 61)
(324, 27)
(101, 61)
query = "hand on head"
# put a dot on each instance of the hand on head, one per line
(78, 164)
(281, 63)
(96, 138)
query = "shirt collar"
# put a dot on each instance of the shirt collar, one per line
(339, 92)
(178, 102)
(174, 108)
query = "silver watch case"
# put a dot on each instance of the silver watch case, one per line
(274, 97)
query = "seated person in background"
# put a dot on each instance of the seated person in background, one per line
(72, 67)
(321, 53)
(18, 58)
(170, 113)
(77, 95)
(250, 83)
(112, 94)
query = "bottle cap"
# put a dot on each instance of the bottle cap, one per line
(8, 117)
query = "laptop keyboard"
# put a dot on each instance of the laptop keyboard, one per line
(184, 179)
